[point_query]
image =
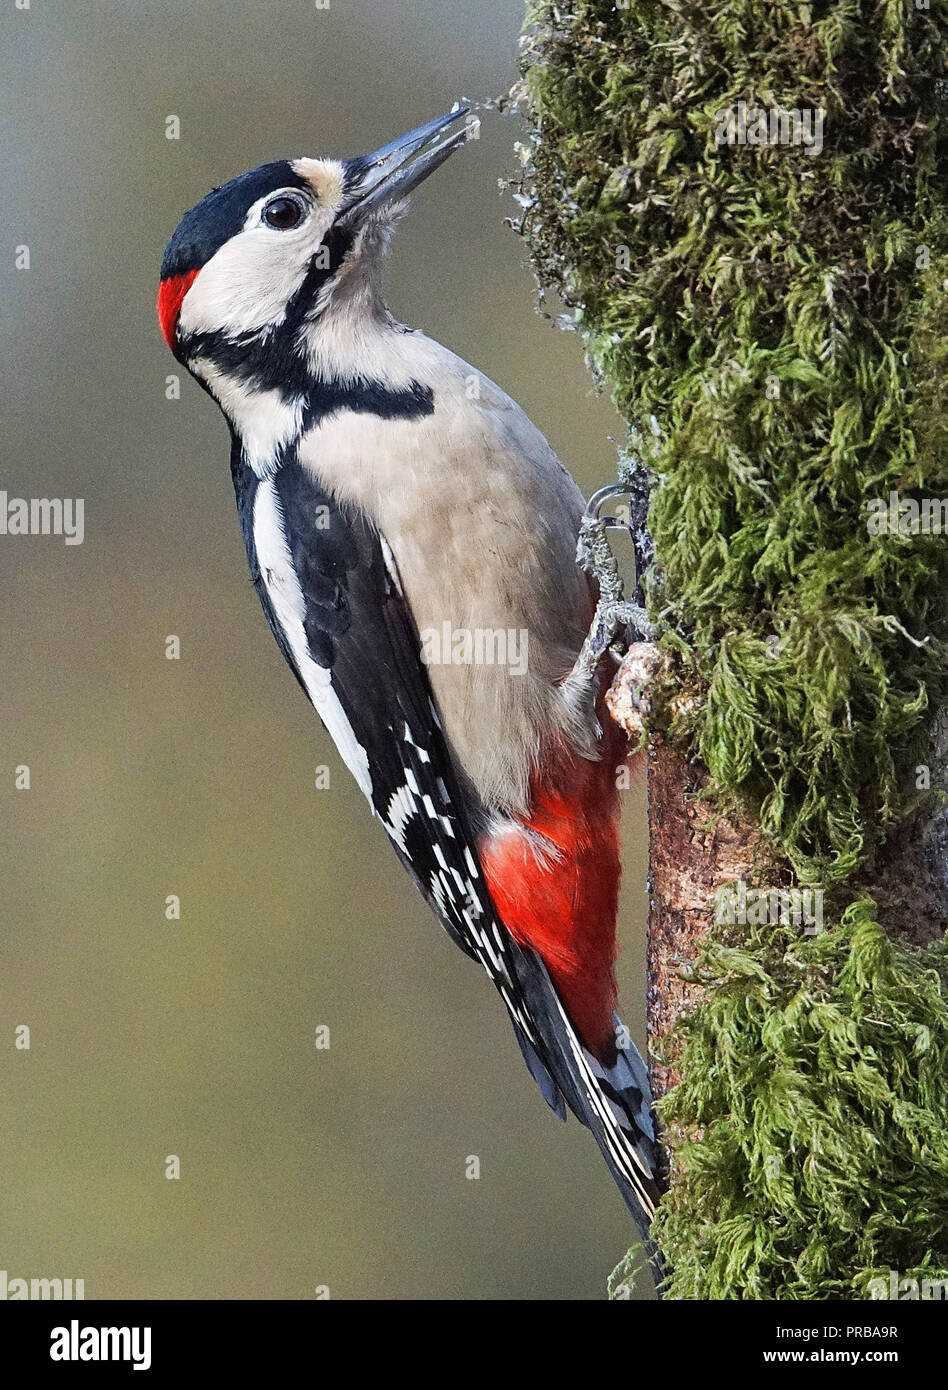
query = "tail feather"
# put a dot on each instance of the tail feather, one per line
(551, 1092)
(626, 1082)
(613, 1102)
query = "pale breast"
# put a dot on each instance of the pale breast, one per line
(481, 519)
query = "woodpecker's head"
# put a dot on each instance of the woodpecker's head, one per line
(254, 265)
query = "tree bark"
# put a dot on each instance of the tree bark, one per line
(692, 851)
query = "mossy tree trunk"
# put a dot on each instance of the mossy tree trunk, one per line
(746, 205)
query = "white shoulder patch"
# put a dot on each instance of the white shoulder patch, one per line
(289, 606)
(263, 419)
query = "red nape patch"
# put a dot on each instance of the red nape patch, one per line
(171, 292)
(563, 904)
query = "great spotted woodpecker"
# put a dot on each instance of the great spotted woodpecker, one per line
(381, 498)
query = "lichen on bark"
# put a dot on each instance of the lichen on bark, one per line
(772, 321)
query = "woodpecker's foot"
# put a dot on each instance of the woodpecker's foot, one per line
(632, 617)
(617, 622)
(616, 625)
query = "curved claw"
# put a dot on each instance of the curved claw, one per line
(592, 519)
(599, 496)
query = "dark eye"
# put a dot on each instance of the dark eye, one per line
(283, 212)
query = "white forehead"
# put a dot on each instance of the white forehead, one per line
(326, 177)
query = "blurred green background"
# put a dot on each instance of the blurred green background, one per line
(150, 1037)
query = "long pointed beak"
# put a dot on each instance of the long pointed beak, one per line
(394, 170)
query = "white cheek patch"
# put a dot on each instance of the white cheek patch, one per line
(289, 607)
(246, 285)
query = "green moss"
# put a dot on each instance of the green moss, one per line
(773, 324)
(814, 1148)
(753, 272)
